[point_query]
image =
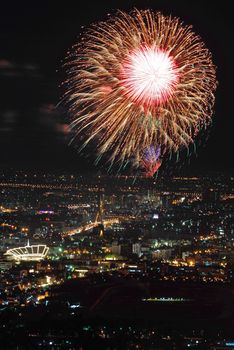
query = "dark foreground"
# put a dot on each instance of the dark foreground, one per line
(123, 313)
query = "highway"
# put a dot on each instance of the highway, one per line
(90, 226)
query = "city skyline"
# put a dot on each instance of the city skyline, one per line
(100, 264)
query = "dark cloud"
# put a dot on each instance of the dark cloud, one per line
(9, 116)
(12, 69)
(5, 64)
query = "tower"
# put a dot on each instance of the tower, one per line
(99, 216)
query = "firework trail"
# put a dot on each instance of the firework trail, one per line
(139, 80)
(151, 161)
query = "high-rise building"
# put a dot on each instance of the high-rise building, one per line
(116, 248)
(136, 249)
(210, 195)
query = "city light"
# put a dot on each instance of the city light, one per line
(28, 253)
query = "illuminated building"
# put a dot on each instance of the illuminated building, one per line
(5, 265)
(136, 249)
(35, 252)
(211, 195)
(116, 248)
(161, 254)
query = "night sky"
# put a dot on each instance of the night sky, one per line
(34, 39)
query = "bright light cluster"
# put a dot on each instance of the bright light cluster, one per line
(35, 252)
(149, 76)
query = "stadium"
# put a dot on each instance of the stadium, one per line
(35, 252)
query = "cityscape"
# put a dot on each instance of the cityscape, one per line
(89, 259)
(116, 175)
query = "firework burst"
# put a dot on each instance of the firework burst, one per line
(138, 80)
(151, 161)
